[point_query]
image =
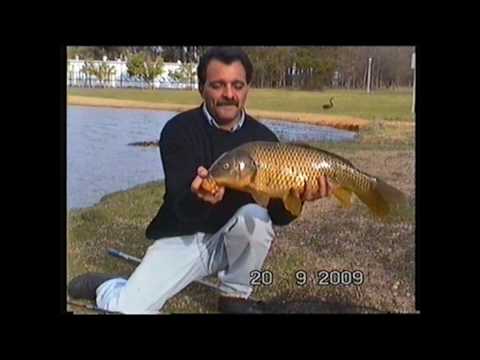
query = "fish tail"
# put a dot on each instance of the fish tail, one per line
(383, 199)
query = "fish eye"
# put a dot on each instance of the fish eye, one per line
(226, 166)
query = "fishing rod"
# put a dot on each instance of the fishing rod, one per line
(132, 259)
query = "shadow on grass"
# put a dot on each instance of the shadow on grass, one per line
(315, 306)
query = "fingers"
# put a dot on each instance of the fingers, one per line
(330, 187)
(320, 189)
(196, 188)
(202, 172)
(323, 186)
(218, 196)
(212, 198)
(309, 193)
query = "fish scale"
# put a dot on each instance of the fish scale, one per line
(284, 170)
(275, 161)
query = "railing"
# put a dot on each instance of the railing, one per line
(82, 81)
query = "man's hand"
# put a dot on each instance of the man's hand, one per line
(320, 189)
(197, 189)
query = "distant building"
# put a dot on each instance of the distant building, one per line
(120, 78)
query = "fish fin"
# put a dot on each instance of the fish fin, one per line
(260, 197)
(292, 203)
(343, 195)
(384, 199)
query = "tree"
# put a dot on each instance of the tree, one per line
(102, 72)
(111, 52)
(185, 54)
(390, 66)
(184, 74)
(307, 68)
(152, 69)
(257, 56)
(88, 69)
(144, 67)
(135, 66)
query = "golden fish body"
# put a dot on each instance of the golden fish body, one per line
(282, 170)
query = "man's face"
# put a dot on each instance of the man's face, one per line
(225, 90)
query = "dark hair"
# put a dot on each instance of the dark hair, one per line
(226, 55)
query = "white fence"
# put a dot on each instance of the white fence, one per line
(119, 77)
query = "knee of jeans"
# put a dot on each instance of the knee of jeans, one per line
(254, 211)
(249, 214)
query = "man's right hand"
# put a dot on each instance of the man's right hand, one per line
(197, 189)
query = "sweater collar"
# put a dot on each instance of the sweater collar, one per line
(212, 122)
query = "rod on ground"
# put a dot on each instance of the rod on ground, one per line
(133, 259)
(121, 255)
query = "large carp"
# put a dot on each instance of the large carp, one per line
(282, 170)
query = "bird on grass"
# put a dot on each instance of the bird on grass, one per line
(328, 106)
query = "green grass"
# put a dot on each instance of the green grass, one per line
(163, 96)
(382, 105)
(118, 221)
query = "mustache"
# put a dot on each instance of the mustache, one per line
(227, 103)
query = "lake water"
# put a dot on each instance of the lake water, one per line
(100, 161)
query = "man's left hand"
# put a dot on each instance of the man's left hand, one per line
(320, 189)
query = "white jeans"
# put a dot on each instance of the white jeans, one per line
(170, 264)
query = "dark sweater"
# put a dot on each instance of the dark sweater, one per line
(186, 142)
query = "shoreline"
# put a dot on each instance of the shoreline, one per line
(339, 122)
(108, 196)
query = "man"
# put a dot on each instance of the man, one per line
(196, 233)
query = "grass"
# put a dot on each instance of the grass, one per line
(119, 220)
(382, 105)
(324, 237)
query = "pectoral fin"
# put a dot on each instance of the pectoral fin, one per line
(260, 197)
(344, 196)
(292, 203)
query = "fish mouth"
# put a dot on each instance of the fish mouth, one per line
(209, 184)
